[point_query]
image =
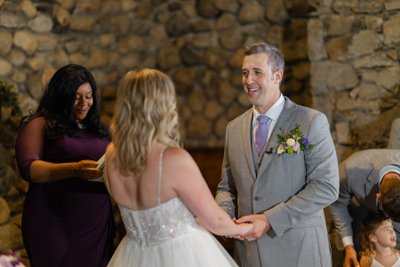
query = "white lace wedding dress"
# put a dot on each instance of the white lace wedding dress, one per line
(168, 236)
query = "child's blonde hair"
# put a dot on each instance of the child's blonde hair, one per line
(368, 227)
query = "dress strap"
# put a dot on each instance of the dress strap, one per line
(159, 175)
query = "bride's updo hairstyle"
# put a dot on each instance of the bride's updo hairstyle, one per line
(145, 113)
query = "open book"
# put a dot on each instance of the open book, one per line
(100, 167)
(100, 163)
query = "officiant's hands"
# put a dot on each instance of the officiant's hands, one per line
(86, 169)
(260, 224)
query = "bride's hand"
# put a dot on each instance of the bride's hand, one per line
(245, 229)
(260, 223)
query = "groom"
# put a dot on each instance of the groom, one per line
(278, 172)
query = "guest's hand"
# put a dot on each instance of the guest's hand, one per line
(260, 223)
(350, 257)
(86, 169)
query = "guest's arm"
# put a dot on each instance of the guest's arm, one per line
(339, 209)
(342, 218)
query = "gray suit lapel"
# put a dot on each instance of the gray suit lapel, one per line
(286, 121)
(246, 135)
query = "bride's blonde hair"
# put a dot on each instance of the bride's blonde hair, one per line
(145, 112)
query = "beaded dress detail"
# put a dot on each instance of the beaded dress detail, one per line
(160, 224)
(167, 235)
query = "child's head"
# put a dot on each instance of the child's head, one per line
(376, 230)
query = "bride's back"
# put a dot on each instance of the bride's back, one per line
(139, 192)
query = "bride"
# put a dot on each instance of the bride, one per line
(164, 201)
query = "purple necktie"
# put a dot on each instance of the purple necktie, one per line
(261, 132)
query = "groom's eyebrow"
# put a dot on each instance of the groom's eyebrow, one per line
(254, 69)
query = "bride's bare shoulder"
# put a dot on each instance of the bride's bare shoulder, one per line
(177, 155)
(180, 159)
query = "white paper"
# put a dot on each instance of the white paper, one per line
(100, 167)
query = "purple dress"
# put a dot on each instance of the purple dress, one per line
(68, 222)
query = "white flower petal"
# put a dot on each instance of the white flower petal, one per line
(290, 142)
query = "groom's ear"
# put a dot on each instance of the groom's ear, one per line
(278, 75)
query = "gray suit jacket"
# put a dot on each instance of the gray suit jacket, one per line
(291, 189)
(358, 187)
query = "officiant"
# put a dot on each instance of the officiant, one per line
(67, 219)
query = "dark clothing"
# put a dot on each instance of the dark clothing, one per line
(68, 222)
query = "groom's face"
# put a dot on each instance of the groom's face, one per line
(259, 83)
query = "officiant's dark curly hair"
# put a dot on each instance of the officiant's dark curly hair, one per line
(57, 103)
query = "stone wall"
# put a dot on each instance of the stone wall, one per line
(199, 43)
(12, 190)
(354, 51)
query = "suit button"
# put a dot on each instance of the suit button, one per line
(257, 198)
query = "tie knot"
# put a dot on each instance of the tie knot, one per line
(262, 119)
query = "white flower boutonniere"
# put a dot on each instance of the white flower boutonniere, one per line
(10, 259)
(292, 141)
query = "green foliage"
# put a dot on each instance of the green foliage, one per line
(295, 134)
(8, 97)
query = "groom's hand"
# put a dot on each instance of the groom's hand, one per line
(260, 223)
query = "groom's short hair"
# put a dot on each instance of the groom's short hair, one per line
(390, 195)
(275, 57)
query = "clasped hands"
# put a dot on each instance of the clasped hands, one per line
(254, 226)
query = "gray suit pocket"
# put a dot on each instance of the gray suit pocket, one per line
(292, 238)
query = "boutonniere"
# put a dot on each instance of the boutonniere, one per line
(292, 141)
(10, 259)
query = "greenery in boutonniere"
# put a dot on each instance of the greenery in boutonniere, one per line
(293, 141)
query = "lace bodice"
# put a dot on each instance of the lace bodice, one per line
(156, 225)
